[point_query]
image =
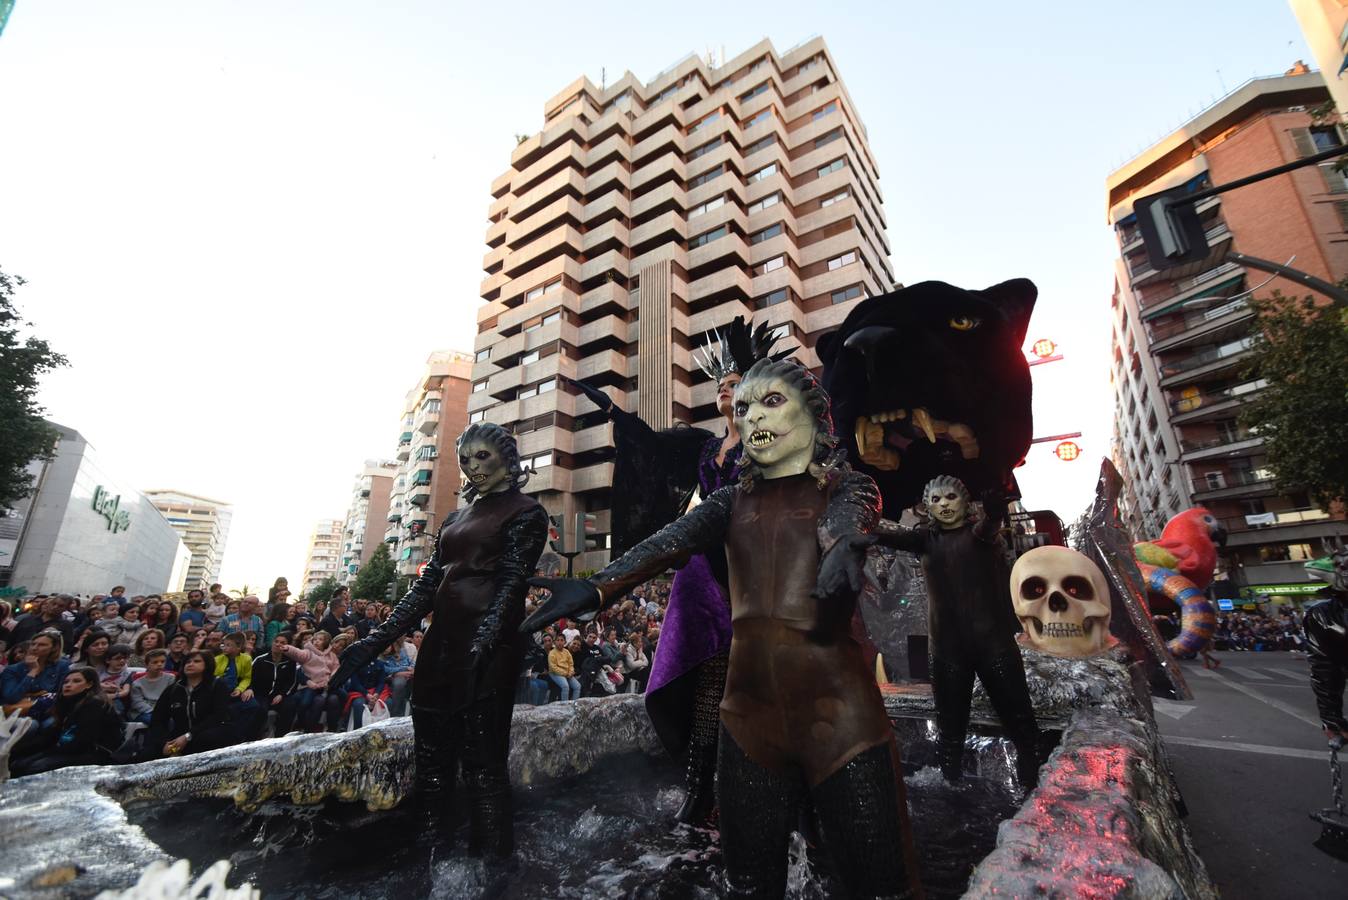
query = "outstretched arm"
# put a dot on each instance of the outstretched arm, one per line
(524, 537)
(702, 528)
(845, 529)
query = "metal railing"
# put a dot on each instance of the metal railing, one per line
(1198, 360)
(1194, 320)
(1235, 479)
(1196, 402)
(1179, 287)
(1241, 434)
(1256, 521)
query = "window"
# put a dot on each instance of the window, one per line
(704, 121)
(706, 148)
(479, 386)
(780, 332)
(426, 453)
(533, 294)
(532, 356)
(769, 200)
(808, 64)
(831, 106)
(760, 116)
(539, 461)
(766, 172)
(552, 286)
(1325, 137)
(829, 201)
(846, 259)
(762, 144)
(707, 207)
(706, 176)
(552, 317)
(770, 232)
(847, 293)
(753, 92)
(771, 265)
(477, 416)
(827, 138)
(831, 167)
(430, 406)
(549, 385)
(482, 355)
(771, 299)
(708, 237)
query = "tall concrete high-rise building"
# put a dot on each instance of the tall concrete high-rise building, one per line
(435, 413)
(1324, 23)
(363, 527)
(643, 216)
(324, 559)
(1182, 336)
(203, 525)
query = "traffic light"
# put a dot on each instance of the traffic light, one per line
(391, 592)
(586, 525)
(557, 533)
(1171, 230)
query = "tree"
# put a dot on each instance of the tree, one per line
(323, 591)
(25, 435)
(1302, 352)
(374, 577)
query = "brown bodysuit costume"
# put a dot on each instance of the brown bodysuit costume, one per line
(801, 711)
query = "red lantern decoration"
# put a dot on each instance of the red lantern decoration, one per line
(1043, 348)
(1067, 451)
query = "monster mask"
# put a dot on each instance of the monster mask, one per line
(483, 466)
(947, 501)
(776, 420)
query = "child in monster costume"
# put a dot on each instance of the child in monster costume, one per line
(972, 623)
(801, 712)
(463, 692)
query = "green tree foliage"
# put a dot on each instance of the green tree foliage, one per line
(323, 591)
(374, 576)
(24, 435)
(1302, 414)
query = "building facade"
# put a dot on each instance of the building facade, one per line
(84, 531)
(642, 217)
(324, 559)
(363, 527)
(1324, 24)
(435, 413)
(203, 524)
(1182, 337)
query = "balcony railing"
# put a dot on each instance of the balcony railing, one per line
(1198, 360)
(1240, 434)
(1153, 298)
(1194, 320)
(1196, 402)
(1235, 479)
(1256, 521)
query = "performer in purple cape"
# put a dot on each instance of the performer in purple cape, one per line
(655, 475)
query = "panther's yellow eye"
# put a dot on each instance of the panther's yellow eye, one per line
(963, 323)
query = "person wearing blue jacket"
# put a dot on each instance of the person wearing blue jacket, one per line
(41, 673)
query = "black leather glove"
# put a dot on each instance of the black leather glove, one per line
(353, 659)
(843, 567)
(572, 598)
(600, 399)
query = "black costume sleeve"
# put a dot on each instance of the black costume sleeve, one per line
(853, 508)
(704, 527)
(524, 538)
(411, 609)
(1328, 671)
(892, 534)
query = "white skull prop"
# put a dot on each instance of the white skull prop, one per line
(1062, 601)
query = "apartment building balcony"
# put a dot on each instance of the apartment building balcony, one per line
(1236, 485)
(1203, 326)
(420, 496)
(1204, 364)
(428, 414)
(1160, 299)
(395, 515)
(1240, 442)
(1290, 572)
(391, 535)
(1285, 525)
(1203, 406)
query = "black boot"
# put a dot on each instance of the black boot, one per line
(699, 805)
(491, 823)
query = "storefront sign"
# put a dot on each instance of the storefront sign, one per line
(109, 507)
(1287, 590)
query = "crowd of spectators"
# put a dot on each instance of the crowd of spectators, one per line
(114, 679)
(1257, 631)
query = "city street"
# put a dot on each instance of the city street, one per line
(1251, 763)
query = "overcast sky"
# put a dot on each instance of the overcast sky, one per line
(248, 223)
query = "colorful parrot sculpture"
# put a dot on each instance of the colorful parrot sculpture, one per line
(1178, 566)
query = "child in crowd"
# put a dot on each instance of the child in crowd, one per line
(148, 687)
(117, 678)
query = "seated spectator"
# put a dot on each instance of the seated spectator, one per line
(178, 647)
(38, 674)
(589, 662)
(562, 671)
(93, 650)
(149, 639)
(193, 617)
(365, 690)
(280, 619)
(149, 686)
(243, 618)
(49, 615)
(84, 730)
(192, 715)
(398, 667)
(636, 666)
(314, 702)
(217, 607)
(535, 671)
(129, 625)
(116, 679)
(275, 681)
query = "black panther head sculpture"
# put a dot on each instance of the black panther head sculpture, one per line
(931, 380)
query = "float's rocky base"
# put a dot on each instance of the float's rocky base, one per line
(65, 834)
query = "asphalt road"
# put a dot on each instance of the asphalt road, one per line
(1252, 764)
